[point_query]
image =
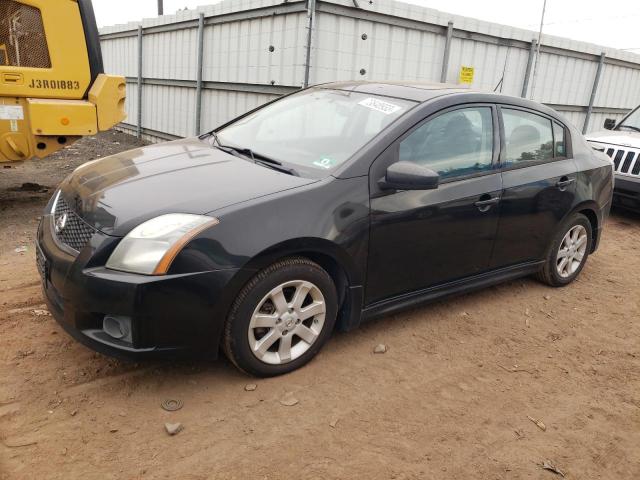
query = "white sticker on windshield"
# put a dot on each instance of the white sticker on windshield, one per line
(380, 105)
(11, 112)
(325, 163)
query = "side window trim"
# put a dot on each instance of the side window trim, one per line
(531, 163)
(565, 131)
(496, 138)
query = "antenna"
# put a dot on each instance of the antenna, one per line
(535, 65)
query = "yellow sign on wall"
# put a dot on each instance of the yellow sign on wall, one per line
(466, 75)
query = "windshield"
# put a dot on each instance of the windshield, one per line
(632, 122)
(316, 129)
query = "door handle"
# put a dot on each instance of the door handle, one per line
(564, 182)
(484, 205)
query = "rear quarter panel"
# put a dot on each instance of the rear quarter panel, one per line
(595, 173)
(595, 178)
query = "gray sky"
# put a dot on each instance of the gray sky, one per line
(612, 23)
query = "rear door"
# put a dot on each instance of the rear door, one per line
(422, 238)
(539, 182)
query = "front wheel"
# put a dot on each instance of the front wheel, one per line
(568, 253)
(281, 318)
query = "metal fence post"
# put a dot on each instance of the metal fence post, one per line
(594, 90)
(527, 73)
(311, 15)
(139, 126)
(447, 52)
(199, 72)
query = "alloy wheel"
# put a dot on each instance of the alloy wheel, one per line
(286, 322)
(572, 251)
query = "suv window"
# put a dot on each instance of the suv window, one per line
(528, 137)
(456, 143)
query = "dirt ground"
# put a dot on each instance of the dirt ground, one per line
(455, 396)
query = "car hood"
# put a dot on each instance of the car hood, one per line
(115, 194)
(614, 137)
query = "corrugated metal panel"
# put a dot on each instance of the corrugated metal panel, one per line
(437, 17)
(597, 120)
(564, 80)
(120, 56)
(403, 42)
(387, 53)
(220, 106)
(170, 55)
(131, 104)
(169, 109)
(218, 8)
(489, 63)
(240, 51)
(595, 123)
(619, 87)
(575, 118)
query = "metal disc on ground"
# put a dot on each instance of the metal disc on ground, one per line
(172, 405)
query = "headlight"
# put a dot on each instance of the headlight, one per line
(150, 248)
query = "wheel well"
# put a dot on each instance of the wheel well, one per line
(339, 277)
(333, 268)
(593, 220)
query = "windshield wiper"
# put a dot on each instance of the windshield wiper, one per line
(275, 165)
(230, 149)
(257, 158)
(636, 129)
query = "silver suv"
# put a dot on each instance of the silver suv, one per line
(622, 143)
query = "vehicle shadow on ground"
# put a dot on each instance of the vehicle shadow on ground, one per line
(456, 315)
(624, 214)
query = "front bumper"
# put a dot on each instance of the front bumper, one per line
(169, 314)
(626, 193)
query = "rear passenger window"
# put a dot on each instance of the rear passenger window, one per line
(560, 150)
(454, 144)
(528, 137)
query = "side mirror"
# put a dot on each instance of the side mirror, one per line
(609, 124)
(409, 176)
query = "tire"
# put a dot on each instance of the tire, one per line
(555, 272)
(267, 320)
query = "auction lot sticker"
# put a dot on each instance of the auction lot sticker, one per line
(380, 105)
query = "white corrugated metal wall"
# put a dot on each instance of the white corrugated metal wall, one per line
(255, 50)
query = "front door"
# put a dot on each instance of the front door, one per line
(420, 239)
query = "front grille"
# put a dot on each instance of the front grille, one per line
(73, 231)
(625, 160)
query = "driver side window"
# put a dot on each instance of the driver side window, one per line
(454, 144)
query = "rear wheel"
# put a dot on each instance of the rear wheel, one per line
(281, 318)
(568, 253)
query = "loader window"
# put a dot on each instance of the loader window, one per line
(22, 39)
(4, 57)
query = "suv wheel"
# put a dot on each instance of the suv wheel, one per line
(281, 318)
(568, 252)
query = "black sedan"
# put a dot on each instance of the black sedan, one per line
(319, 210)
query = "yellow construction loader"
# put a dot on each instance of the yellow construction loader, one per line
(53, 89)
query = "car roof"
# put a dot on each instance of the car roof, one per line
(422, 92)
(414, 91)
